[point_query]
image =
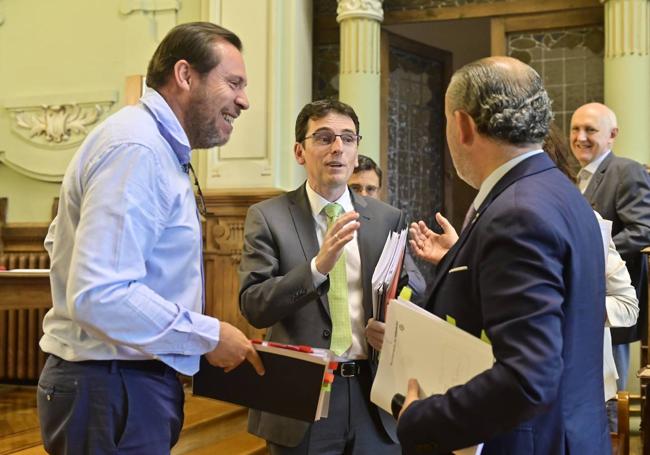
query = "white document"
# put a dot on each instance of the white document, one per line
(420, 345)
(386, 267)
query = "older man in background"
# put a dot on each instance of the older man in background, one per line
(619, 190)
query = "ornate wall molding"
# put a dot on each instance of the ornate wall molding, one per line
(162, 14)
(54, 122)
(359, 9)
(57, 124)
(150, 6)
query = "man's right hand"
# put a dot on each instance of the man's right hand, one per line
(430, 246)
(341, 232)
(233, 348)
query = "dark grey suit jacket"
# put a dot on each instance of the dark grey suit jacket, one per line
(620, 192)
(277, 289)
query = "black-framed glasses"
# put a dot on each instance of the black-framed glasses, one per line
(327, 137)
(200, 200)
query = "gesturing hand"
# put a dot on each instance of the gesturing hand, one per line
(233, 349)
(428, 245)
(341, 232)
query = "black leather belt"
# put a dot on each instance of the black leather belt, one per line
(352, 368)
(148, 366)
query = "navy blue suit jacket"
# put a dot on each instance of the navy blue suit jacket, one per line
(529, 271)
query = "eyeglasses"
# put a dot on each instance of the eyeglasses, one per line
(200, 200)
(326, 137)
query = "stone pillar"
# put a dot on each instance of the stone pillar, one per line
(359, 80)
(627, 74)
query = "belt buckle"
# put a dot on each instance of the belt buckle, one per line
(349, 369)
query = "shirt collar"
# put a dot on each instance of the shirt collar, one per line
(168, 124)
(318, 202)
(593, 166)
(497, 174)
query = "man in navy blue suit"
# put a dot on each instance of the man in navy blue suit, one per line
(525, 271)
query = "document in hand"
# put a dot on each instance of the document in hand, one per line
(386, 274)
(296, 384)
(420, 345)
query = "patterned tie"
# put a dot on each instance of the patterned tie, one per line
(338, 294)
(469, 216)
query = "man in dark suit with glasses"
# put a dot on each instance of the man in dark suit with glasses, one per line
(306, 272)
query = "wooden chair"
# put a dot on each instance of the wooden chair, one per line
(621, 439)
(644, 373)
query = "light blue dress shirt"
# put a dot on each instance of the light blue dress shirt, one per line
(125, 247)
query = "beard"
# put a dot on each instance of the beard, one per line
(202, 131)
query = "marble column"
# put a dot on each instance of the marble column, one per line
(359, 79)
(627, 74)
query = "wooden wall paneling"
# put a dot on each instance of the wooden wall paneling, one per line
(224, 239)
(504, 8)
(497, 36)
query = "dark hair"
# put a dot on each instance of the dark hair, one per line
(319, 109)
(505, 98)
(367, 164)
(192, 42)
(556, 147)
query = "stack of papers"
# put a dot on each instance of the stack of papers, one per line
(297, 382)
(386, 274)
(420, 345)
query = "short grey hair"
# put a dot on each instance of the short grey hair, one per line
(508, 101)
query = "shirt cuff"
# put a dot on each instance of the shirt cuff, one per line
(317, 277)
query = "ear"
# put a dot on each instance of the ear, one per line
(613, 133)
(466, 127)
(182, 75)
(298, 152)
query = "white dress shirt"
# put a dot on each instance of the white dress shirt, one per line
(586, 173)
(359, 347)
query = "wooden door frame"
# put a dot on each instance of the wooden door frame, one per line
(425, 51)
(501, 26)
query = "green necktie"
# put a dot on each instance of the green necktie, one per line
(338, 294)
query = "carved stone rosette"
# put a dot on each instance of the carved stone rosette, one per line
(60, 124)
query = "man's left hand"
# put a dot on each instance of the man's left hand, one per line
(412, 395)
(375, 333)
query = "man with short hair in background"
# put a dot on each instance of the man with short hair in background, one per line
(523, 272)
(619, 190)
(366, 181)
(126, 255)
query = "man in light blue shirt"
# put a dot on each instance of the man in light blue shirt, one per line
(126, 259)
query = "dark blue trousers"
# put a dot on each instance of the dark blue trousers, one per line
(109, 407)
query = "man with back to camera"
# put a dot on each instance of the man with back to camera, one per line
(522, 271)
(126, 255)
(619, 190)
(306, 272)
(366, 181)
